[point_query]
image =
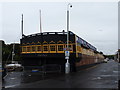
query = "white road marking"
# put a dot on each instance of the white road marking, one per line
(115, 71)
(107, 75)
(11, 86)
(12, 78)
(5, 76)
(98, 78)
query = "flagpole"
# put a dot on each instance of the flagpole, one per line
(40, 23)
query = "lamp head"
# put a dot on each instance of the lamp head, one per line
(70, 5)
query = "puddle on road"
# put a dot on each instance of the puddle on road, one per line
(104, 70)
(29, 75)
(12, 78)
(98, 78)
(106, 75)
(115, 71)
(116, 81)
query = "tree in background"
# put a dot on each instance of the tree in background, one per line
(109, 56)
(7, 52)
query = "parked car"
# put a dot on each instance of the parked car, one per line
(105, 60)
(14, 67)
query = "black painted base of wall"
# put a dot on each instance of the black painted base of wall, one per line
(86, 66)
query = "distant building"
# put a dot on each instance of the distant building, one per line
(117, 56)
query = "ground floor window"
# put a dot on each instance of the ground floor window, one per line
(33, 48)
(39, 48)
(45, 48)
(60, 47)
(28, 49)
(52, 48)
(23, 49)
(70, 47)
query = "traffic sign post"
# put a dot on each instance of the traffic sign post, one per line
(67, 65)
(67, 53)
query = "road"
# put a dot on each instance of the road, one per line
(104, 75)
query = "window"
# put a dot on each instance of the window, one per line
(45, 48)
(28, 49)
(60, 47)
(33, 48)
(39, 48)
(52, 47)
(23, 49)
(70, 47)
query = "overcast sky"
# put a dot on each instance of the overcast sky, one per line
(95, 22)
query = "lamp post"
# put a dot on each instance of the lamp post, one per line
(118, 55)
(67, 64)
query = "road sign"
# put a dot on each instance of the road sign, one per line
(67, 53)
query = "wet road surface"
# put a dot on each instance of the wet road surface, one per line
(104, 75)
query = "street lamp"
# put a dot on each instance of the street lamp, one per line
(67, 64)
(118, 55)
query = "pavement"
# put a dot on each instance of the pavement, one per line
(100, 76)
